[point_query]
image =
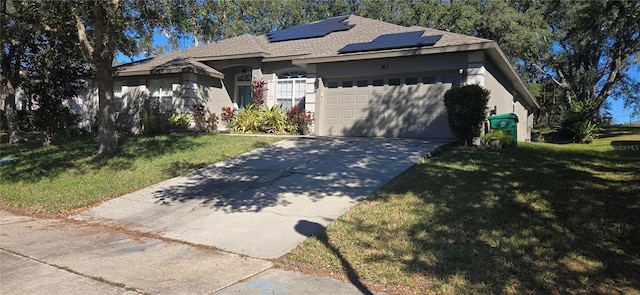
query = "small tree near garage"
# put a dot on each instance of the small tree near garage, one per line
(466, 109)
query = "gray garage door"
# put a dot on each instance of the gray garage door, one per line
(395, 107)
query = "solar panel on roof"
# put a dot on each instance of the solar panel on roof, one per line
(313, 30)
(393, 41)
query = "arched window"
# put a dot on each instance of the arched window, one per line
(291, 88)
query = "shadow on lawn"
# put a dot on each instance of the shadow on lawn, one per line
(36, 163)
(528, 220)
(313, 229)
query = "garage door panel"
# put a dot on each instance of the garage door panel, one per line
(361, 114)
(398, 111)
(332, 129)
(414, 120)
(362, 98)
(347, 114)
(332, 114)
(347, 99)
(333, 99)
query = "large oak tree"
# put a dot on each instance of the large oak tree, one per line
(592, 47)
(105, 28)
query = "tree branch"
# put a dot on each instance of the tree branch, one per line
(86, 46)
(541, 70)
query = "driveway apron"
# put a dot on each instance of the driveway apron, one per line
(265, 202)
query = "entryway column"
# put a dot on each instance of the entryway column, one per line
(310, 96)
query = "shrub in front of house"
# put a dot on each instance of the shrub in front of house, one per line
(228, 116)
(248, 119)
(154, 122)
(302, 119)
(498, 139)
(180, 121)
(577, 123)
(266, 119)
(466, 110)
(204, 121)
(274, 120)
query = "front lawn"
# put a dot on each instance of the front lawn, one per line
(66, 176)
(539, 219)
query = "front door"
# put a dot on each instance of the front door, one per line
(244, 96)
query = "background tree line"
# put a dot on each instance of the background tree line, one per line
(572, 54)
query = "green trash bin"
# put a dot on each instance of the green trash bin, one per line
(507, 122)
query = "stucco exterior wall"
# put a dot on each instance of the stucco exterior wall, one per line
(85, 105)
(525, 123)
(504, 101)
(394, 66)
(188, 89)
(501, 98)
(211, 92)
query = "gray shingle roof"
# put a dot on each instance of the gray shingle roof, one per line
(364, 30)
(174, 62)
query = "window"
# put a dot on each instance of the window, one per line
(332, 84)
(411, 81)
(448, 79)
(245, 76)
(378, 82)
(291, 89)
(162, 90)
(429, 80)
(347, 84)
(362, 83)
(24, 104)
(118, 96)
(394, 82)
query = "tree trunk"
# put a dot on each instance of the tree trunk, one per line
(102, 56)
(12, 117)
(10, 79)
(107, 138)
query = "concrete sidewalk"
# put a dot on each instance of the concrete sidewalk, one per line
(50, 256)
(265, 202)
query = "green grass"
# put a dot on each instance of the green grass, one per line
(539, 219)
(66, 176)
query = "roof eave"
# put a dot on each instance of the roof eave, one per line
(392, 53)
(498, 56)
(170, 71)
(284, 57)
(231, 56)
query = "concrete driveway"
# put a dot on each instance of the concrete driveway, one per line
(265, 202)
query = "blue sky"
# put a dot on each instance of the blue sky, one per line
(619, 113)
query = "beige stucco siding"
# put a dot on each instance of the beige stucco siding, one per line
(503, 100)
(212, 93)
(85, 105)
(525, 122)
(393, 66)
(187, 90)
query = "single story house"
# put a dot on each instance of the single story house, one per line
(359, 76)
